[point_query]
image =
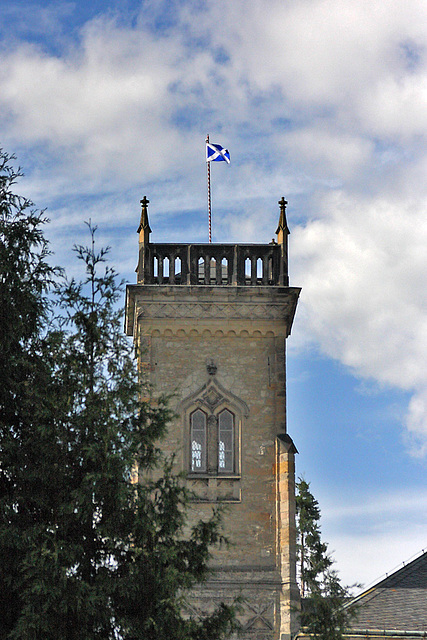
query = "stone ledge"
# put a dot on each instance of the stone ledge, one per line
(202, 332)
(256, 304)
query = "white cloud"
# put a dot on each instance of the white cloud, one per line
(405, 506)
(103, 106)
(390, 527)
(110, 102)
(396, 107)
(362, 266)
(366, 559)
(417, 423)
(328, 153)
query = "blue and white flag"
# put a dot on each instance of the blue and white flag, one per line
(216, 153)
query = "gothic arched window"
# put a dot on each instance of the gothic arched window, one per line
(225, 442)
(213, 422)
(212, 442)
(198, 441)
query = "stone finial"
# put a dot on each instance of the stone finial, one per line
(211, 367)
(144, 229)
(282, 227)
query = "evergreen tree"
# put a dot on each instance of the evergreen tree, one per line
(25, 280)
(323, 597)
(86, 552)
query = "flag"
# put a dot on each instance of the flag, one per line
(216, 153)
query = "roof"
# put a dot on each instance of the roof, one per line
(398, 602)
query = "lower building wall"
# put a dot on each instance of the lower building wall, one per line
(259, 593)
(266, 591)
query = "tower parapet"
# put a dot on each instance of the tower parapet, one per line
(213, 264)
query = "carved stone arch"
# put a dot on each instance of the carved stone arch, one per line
(213, 396)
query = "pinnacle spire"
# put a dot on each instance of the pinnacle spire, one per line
(144, 229)
(282, 227)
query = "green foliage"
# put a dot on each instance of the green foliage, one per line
(312, 552)
(322, 596)
(85, 551)
(25, 278)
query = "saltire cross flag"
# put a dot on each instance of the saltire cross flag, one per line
(216, 153)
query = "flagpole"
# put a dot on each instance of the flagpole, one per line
(209, 194)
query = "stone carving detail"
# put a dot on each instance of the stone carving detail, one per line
(262, 617)
(211, 395)
(212, 422)
(191, 611)
(212, 398)
(214, 490)
(256, 614)
(211, 367)
(269, 311)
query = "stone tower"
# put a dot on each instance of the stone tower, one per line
(211, 322)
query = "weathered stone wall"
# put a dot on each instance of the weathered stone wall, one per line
(240, 333)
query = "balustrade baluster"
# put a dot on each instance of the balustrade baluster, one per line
(160, 269)
(253, 270)
(207, 270)
(171, 268)
(264, 270)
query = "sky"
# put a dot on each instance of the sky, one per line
(321, 101)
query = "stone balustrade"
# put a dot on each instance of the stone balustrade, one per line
(212, 264)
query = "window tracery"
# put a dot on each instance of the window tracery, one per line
(213, 422)
(225, 442)
(198, 441)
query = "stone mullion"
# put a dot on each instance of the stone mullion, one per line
(212, 463)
